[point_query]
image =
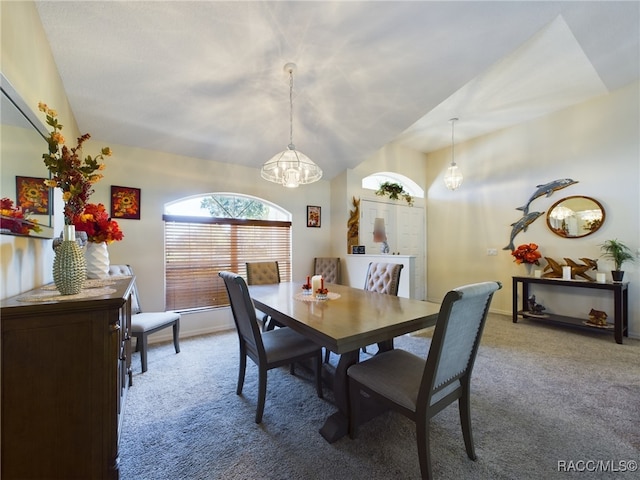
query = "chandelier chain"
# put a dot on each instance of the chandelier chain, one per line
(291, 107)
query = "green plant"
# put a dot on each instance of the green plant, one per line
(616, 251)
(394, 191)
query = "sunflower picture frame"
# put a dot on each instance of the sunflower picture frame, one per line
(125, 202)
(33, 195)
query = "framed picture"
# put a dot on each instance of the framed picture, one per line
(313, 216)
(125, 202)
(32, 195)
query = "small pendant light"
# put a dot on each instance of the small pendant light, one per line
(453, 177)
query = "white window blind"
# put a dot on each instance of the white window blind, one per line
(197, 248)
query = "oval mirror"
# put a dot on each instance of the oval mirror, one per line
(575, 217)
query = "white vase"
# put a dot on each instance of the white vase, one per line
(97, 257)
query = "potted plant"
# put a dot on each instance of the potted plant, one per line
(394, 191)
(619, 253)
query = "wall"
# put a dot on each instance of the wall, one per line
(595, 143)
(27, 63)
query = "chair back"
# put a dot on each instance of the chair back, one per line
(262, 273)
(329, 268)
(244, 315)
(383, 277)
(455, 340)
(126, 270)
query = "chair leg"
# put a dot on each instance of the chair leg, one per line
(176, 336)
(327, 354)
(319, 375)
(143, 351)
(354, 408)
(262, 393)
(242, 369)
(464, 406)
(424, 450)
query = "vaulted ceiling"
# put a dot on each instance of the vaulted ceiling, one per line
(205, 79)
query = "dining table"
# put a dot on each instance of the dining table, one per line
(345, 322)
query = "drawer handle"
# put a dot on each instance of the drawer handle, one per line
(114, 328)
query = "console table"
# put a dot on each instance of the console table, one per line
(66, 368)
(621, 304)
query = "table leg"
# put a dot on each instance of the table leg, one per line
(337, 425)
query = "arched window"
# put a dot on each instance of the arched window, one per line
(373, 182)
(206, 234)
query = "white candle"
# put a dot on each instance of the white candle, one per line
(316, 280)
(601, 277)
(537, 273)
(566, 273)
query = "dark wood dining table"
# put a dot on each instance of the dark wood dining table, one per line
(348, 320)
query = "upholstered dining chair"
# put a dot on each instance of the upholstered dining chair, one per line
(144, 324)
(263, 273)
(271, 349)
(419, 388)
(329, 268)
(381, 278)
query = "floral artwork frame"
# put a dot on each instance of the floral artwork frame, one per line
(32, 195)
(314, 216)
(125, 202)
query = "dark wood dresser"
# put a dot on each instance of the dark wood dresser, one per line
(66, 368)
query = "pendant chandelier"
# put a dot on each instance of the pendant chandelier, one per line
(290, 167)
(453, 177)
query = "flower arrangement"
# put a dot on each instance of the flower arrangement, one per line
(74, 175)
(95, 221)
(527, 253)
(394, 191)
(15, 219)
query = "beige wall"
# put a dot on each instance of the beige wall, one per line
(595, 143)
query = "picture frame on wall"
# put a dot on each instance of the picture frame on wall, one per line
(314, 217)
(32, 195)
(125, 202)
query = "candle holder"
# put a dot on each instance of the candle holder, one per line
(322, 294)
(306, 289)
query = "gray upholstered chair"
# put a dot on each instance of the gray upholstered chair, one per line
(383, 277)
(329, 268)
(420, 388)
(270, 349)
(144, 324)
(263, 273)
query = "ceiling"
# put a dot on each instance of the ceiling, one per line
(205, 79)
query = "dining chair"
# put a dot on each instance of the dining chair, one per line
(263, 273)
(270, 349)
(144, 324)
(329, 268)
(419, 388)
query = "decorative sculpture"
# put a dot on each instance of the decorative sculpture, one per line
(353, 232)
(534, 307)
(598, 318)
(555, 268)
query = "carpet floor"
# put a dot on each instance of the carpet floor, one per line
(546, 403)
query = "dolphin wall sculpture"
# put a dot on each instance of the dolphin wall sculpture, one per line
(547, 189)
(520, 226)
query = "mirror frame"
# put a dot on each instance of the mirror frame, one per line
(559, 203)
(7, 90)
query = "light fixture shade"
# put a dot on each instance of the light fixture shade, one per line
(291, 168)
(453, 177)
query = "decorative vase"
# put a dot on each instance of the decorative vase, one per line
(69, 265)
(528, 267)
(97, 257)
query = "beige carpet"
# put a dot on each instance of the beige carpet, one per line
(541, 396)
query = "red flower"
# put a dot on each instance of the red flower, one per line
(14, 218)
(96, 222)
(527, 253)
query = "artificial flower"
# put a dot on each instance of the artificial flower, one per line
(15, 219)
(95, 221)
(69, 172)
(527, 253)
